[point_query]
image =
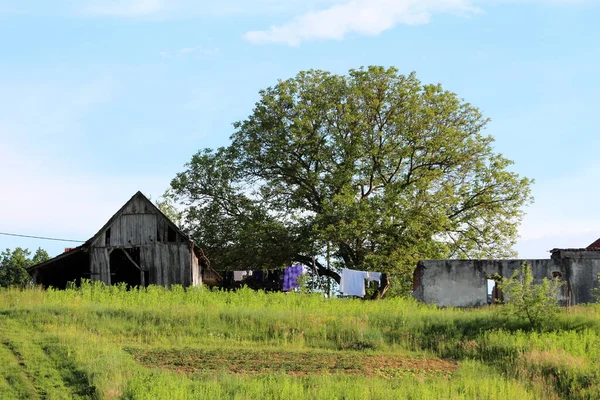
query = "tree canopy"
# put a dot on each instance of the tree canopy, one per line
(384, 169)
(13, 264)
(168, 207)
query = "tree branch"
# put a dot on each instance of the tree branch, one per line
(321, 270)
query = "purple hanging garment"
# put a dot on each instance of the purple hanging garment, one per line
(290, 277)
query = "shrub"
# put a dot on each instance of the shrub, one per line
(536, 303)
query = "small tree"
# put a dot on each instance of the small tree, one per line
(525, 299)
(40, 256)
(12, 267)
(13, 264)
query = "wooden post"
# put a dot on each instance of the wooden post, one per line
(328, 280)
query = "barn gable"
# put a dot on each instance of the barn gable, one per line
(138, 222)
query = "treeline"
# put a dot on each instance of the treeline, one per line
(13, 264)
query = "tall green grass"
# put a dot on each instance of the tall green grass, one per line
(72, 344)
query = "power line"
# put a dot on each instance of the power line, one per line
(41, 237)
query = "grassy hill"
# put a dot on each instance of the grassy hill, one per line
(108, 343)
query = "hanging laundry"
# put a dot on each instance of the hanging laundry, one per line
(290, 277)
(239, 275)
(374, 277)
(353, 282)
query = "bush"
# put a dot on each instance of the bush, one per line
(536, 303)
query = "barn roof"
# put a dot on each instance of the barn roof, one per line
(59, 257)
(594, 246)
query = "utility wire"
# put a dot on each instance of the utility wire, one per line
(41, 237)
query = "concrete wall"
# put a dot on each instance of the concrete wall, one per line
(463, 283)
(583, 276)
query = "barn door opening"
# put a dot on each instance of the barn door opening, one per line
(124, 268)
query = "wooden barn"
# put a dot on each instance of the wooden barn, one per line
(139, 246)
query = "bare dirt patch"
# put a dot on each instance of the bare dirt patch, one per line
(245, 361)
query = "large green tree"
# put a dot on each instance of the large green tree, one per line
(13, 264)
(374, 165)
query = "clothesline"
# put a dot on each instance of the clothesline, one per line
(285, 279)
(352, 282)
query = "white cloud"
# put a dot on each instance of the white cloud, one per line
(372, 17)
(367, 17)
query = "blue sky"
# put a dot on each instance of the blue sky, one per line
(101, 98)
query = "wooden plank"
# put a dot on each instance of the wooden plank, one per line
(134, 230)
(171, 266)
(165, 265)
(196, 273)
(100, 265)
(166, 257)
(150, 263)
(186, 265)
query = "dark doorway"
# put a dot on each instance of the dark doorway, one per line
(124, 269)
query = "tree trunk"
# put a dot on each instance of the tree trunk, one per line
(383, 288)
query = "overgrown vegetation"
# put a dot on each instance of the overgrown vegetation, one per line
(110, 343)
(535, 302)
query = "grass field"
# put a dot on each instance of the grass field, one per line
(108, 343)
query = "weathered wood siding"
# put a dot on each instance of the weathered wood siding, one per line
(139, 205)
(138, 224)
(196, 272)
(99, 265)
(164, 252)
(129, 230)
(168, 264)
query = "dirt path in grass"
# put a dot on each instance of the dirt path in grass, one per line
(290, 362)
